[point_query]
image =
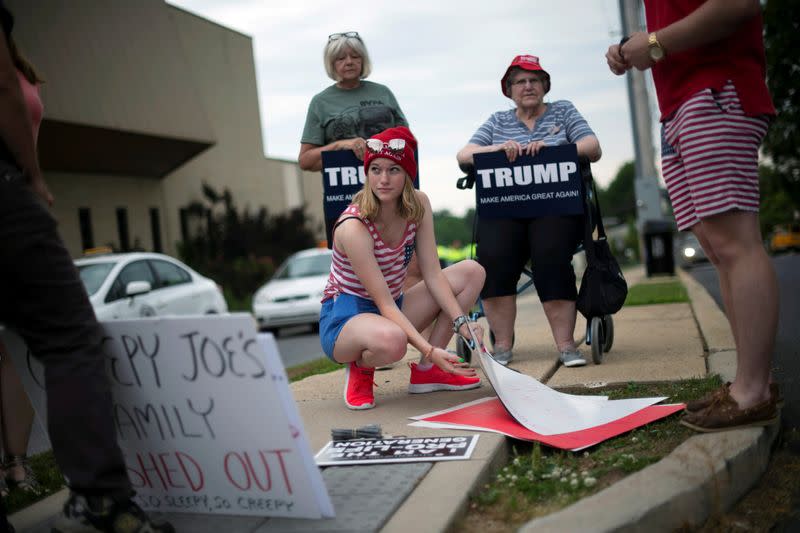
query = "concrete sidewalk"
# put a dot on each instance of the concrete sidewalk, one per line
(652, 343)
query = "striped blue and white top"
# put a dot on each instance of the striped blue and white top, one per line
(560, 124)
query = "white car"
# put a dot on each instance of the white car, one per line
(293, 295)
(140, 284)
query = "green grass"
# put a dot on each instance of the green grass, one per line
(539, 480)
(236, 304)
(49, 476)
(319, 366)
(656, 293)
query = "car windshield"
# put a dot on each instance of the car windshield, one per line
(302, 267)
(94, 274)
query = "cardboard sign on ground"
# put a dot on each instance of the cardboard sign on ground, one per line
(204, 416)
(396, 450)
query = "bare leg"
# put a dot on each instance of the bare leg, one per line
(17, 413)
(370, 340)
(735, 240)
(501, 312)
(413, 277)
(724, 282)
(561, 315)
(465, 279)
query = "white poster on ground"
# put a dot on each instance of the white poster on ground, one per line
(548, 412)
(204, 416)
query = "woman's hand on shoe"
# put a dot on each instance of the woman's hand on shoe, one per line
(451, 363)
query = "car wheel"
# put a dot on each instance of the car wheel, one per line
(315, 327)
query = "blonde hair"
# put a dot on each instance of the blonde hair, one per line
(408, 205)
(335, 48)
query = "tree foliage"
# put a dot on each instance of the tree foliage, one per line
(782, 46)
(240, 249)
(450, 228)
(619, 198)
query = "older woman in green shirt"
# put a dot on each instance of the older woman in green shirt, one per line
(349, 111)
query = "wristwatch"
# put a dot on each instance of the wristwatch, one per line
(458, 322)
(654, 48)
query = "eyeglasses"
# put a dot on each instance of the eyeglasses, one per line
(524, 81)
(393, 145)
(343, 35)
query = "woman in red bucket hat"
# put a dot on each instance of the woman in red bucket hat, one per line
(367, 318)
(505, 245)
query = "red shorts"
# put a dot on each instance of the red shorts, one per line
(709, 156)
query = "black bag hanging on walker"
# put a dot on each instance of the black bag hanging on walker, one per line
(603, 287)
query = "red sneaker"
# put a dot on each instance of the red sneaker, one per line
(435, 379)
(358, 387)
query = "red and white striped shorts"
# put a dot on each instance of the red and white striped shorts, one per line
(709, 156)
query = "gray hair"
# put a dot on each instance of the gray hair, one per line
(335, 48)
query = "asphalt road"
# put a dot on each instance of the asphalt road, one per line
(786, 362)
(298, 345)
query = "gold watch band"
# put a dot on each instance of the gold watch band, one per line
(655, 49)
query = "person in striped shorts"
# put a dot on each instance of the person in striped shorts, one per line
(708, 64)
(366, 319)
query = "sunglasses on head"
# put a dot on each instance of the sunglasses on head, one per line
(343, 35)
(393, 145)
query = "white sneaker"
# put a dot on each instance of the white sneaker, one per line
(572, 358)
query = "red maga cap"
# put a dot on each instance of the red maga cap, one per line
(405, 157)
(525, 62)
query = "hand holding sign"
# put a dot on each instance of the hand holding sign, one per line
(524, 186)
(358, 146)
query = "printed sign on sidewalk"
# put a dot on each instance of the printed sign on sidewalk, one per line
(532, 186)
(204, 416)
(396, 450)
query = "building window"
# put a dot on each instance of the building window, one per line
(155, 228)
(184, 215)
(122, 229)
(85, 223)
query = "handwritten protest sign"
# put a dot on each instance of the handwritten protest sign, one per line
(204, 417)
(548, 183)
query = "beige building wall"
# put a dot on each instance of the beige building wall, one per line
(111, 63)
(149, 82)
(103, 195)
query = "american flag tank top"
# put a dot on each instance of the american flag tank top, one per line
(393, 262)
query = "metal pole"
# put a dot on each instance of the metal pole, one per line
(648, 196)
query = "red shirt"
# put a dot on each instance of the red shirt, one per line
(738, 57)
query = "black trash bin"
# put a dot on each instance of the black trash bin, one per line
(658, 247)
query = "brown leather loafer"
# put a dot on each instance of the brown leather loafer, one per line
(701, 403)
(724, 413)
(694, 406)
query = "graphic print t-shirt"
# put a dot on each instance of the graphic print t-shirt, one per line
(336, 113)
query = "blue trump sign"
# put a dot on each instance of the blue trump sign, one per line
(342, 177)
(548, 183)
